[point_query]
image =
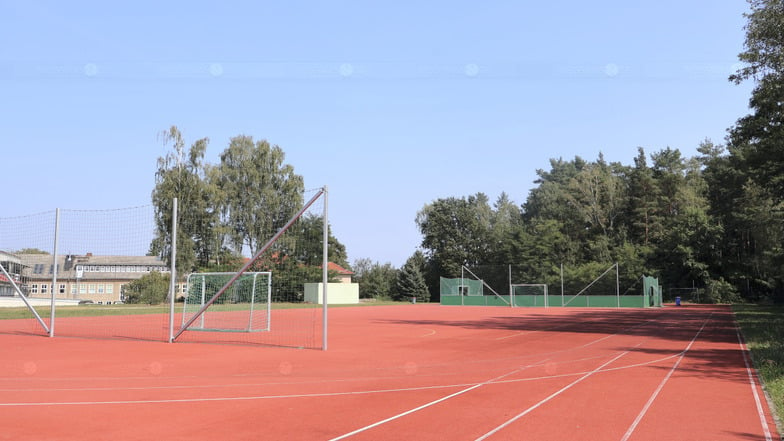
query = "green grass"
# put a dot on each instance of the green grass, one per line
(101, 310)
(763, 329)
(84, 311)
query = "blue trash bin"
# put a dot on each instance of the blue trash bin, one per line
(677, 301)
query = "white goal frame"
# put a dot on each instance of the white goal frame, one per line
(193, 277)
(512, 287)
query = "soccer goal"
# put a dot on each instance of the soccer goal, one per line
(241, 302)
(529, 294)
(245, 307)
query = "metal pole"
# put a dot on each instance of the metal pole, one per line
(173, 280)
(562, 291)
(617, 286)
(54, 270)
(325, 272)
(462, 283)
(202, 300)
(252, 302)
(511, 292)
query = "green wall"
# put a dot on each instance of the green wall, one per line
(552, 300)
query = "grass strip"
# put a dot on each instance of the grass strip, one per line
(763, 330)
(93, 310)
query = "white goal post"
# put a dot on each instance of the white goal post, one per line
(533, 290)
(245, 306)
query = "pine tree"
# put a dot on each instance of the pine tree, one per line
(411, 283)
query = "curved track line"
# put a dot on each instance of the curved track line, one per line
(432, 332)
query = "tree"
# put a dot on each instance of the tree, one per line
(376, 280)
(181, 174)
(506, 220)
(151, 289)
(31, 251)
(306, 239)
(411, 283)
(259, 192)
(455, 232)
(644, 221)
(764, 54)
(756, 141)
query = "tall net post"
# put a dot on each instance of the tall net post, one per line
(173, 265)
(55, 267)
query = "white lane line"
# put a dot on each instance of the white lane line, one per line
(666, 378)
(553, 395)
(753, 383)
(247, 398)
(517, 334)
(304, 395)
(416, 409)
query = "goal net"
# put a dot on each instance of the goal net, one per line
(293, 248)
(70, 270)
(529, 294)
(245, 306)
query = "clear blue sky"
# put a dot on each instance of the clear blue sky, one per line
(390, 104)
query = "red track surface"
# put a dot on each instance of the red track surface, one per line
(414, 372)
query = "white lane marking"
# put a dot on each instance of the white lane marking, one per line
(416, 409)
(553, 395)
(753, 383)
(666, 378)
(266, 397)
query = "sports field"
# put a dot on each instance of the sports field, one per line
(403, 372)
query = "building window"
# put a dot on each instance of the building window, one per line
(34, 288)
(73, 289)
(100, 288)
(109, 288)
(91, 288)
(44, 288)
(62, 288)
(83, 288)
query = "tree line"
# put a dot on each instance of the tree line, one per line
(714, 221)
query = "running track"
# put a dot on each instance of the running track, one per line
(409, 372)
